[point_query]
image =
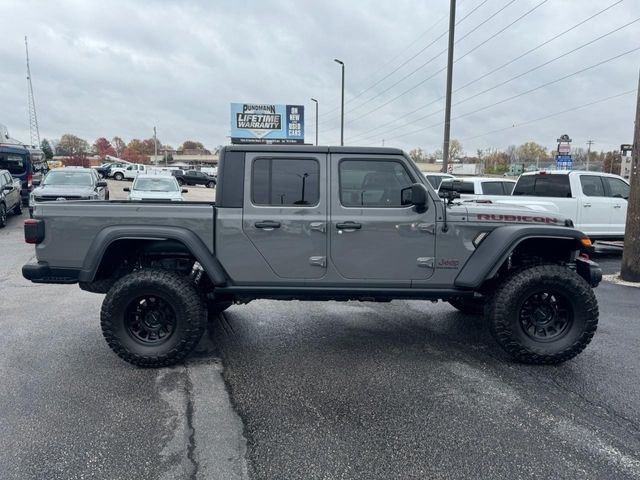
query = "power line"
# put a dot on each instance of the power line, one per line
(502, 30)
(486, 107)
(420, 67)
(545, 117)
(410, 58)
(504, 82)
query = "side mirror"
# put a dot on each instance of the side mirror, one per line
(101, 184)
(415, 195)
(8, 188)
(184, 190)
(126, 189)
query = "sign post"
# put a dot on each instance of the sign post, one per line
(564, 161)
(267, 123)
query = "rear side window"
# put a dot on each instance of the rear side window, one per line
(372, 183)
(544, 186)
(493, 188)
(285, 182)
(16, 164)
(617, 188)
(457, 186)
(592, 186)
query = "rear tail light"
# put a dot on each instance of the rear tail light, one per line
(29, 181)
(33, 230)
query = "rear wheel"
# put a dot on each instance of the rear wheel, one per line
(118, 176)
(153, 318)
(180, 182)
(18, 208)
(543, 315)
(211, 185)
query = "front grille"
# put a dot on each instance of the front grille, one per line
(53, 198)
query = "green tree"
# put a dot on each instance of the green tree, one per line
(532, 152)
(46, 149)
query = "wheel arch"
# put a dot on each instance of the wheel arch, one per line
(492, 253)
(179, 240)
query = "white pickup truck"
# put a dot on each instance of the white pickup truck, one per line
(129, 172)
(595, 201)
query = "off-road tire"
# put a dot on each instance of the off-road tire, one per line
(469, 305)
(505, 310)
(17, 210)
(3, 215)
(189, 316)
(118, 176)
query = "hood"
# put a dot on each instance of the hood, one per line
(511, 213)
(63, 191)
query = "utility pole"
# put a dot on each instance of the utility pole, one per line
(383, 142)
(589, 142)
(316, 102)
(155, 147)
(447, 111)
(341, 103)
(34, 130)
(630, 270)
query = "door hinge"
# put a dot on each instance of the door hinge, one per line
(427, 227)
(318, 226)
(426, 262)
(318, 261)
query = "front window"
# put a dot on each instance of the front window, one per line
(617, 187)
(372, 183)
(156, 184)
(69, 178)
(592, 185)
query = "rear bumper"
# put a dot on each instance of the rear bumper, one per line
(41, 273)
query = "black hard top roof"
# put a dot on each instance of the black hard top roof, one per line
(313, 149)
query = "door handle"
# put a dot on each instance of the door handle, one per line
(617, 206)
(586, 205)
(348, 226)
(267, 224)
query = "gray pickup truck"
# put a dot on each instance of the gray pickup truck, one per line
(318, 223)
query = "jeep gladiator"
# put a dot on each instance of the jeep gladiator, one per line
(318, 223)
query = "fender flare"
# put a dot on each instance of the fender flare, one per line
(492, 252)
(108, 235)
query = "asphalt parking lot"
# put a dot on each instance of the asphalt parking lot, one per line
(407, 389)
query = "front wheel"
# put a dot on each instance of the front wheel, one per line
(118, 176)
(153, 318)
(211, 185)
(543, 315)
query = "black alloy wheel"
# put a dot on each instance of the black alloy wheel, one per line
(546, 316)
(150, 320)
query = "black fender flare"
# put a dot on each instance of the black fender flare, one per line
(108, 235)
(492, 252)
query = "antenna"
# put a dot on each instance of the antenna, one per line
(33, 117)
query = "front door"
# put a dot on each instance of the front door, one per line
(596, 207)
(618, 190)
(285, 212)
(373, 236)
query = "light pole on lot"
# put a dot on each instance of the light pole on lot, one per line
(316, 102)
(341, 103)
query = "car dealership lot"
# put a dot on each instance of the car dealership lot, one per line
(407, 389)
(196, 193)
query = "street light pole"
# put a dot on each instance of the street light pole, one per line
(316, 102)
(155, 147)
(447, 112)
(341, 103)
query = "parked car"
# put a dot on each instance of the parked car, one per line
(70, 183)
(129, 171)
(318, 223)
(477, 188)
(27, 165)
(10, 200)
(155, 188)
(193, 177)
(596, 202)
(435, 179)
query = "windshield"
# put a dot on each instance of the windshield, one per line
(61, 177)
(16, 164)
(156, 184)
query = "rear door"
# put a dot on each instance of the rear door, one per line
(285, 212)
(373, 236)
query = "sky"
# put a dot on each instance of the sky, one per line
(123, 67)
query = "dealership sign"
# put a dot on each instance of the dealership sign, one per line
(267, 123)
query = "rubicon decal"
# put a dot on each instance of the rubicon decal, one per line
(516, 218)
